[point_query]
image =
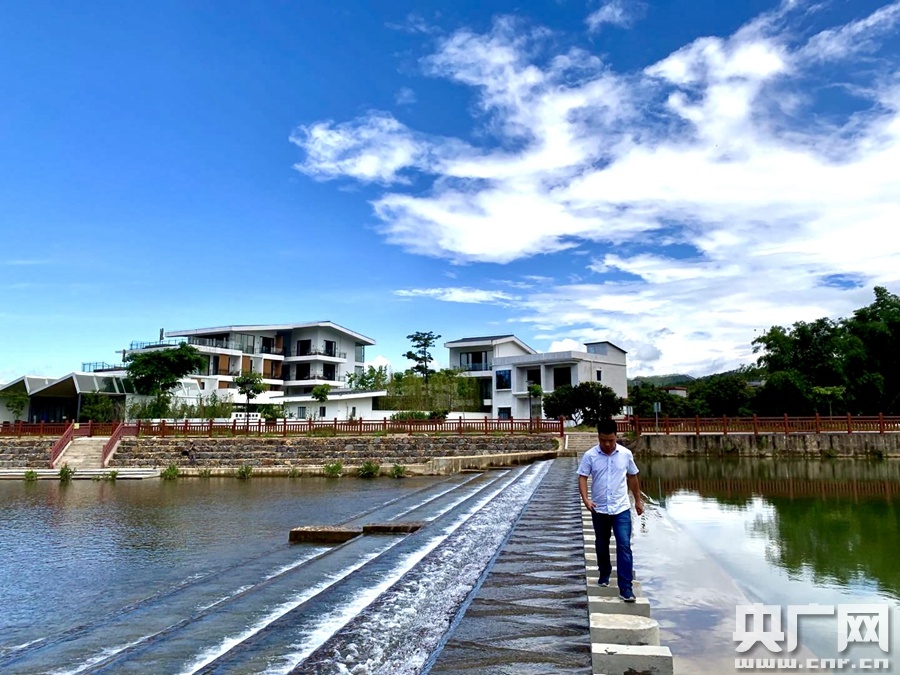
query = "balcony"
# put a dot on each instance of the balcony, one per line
(306, 377)
(207, 342)
(476, 367)
(315, 352)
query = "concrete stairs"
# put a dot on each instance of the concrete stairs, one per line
(81, 474)
(579, 442)
(83, 453)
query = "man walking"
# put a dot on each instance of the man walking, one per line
(613, 472)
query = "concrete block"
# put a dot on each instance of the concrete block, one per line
(612, 659)
(624, 629)
(323, 535)
(594, 590)
(641, 607)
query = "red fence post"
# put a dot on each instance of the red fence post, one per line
(209, 433)
(818, 424)
(880, 423)
(697, 423)
(90, 428)
(233, 426)
(667, 425)
(724, 425)
(562, 427)
(755, 426)
(485, 425)
(335, 426)
(459, 426)
(284, 426)
(849, 424)
(42, 428)
(384, 425)
(162, 427)
(137, 432)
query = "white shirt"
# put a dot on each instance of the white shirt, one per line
(609, 489)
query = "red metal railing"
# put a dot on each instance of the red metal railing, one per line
(33, 429)
(61, 443)
(120, 431)
(785, 424)
(210, 429)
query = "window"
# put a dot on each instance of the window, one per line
(330, 348)
(504, 379)
(533, 376)
(562, 377)
(202, 385)
(322, 411)
(301, 412)
(360, 353)
(504, 413)
(353, 412)
(599, 376)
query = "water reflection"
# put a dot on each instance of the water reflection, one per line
(777, 532)
(836, 521)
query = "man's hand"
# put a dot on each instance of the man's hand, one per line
(639, 506)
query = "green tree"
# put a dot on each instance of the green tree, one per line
(16, 401)
(535, 393)
(421, 354)
(872, 353)
(250, 385)
(320, 393)
(371, 379)
(99, 408)
(156, 372)
(722, 394)
(586, 403)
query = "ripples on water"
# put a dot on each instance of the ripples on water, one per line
(198, 573)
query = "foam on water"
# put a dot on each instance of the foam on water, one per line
(406, 625)
(209, 655)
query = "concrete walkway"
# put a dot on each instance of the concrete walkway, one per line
(531, 615)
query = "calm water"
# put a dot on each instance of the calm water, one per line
(727, 532)
(197, 576)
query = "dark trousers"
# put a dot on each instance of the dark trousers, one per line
(620, 526)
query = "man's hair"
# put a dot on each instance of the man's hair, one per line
(607, 426)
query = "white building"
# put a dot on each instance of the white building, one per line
(474, 357)
(505, 367)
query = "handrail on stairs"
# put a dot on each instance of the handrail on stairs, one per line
(108, 447)
(57, 448)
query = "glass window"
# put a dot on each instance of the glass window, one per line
(504, 413)
(599, 376)
(301, 412)
(504, 379)
(322, 411)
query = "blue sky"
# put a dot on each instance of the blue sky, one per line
(674, 176)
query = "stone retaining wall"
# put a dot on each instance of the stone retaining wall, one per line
(28, 453)
(431, 454)
(797, 445)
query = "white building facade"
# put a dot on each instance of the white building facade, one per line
(506, 367)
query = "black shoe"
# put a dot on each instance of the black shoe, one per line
(627, 596)
(603, 583)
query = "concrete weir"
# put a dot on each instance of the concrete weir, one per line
(624, 637)
(335, 534)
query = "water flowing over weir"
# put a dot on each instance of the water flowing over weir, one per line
(376, 604)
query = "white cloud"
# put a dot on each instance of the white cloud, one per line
(567, 345)
(614, 12)
(405, 96)
(718, 147)
(380, 361)
(463, 295)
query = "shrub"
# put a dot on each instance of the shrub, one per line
(110, 475)
(65, 473)
(334, 469)
(31, 476)
(244, 471)
(170, 472)
(409, 415)
(398, 471)
(204, 473)
(368, 469)
(438, 415)
(293, 472)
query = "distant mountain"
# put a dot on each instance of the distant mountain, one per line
(661, 380)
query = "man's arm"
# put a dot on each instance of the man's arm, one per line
(634, 484)
(582, 488)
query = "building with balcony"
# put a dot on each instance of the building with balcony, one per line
(292, 358)
(505, 367)
(474, 357)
